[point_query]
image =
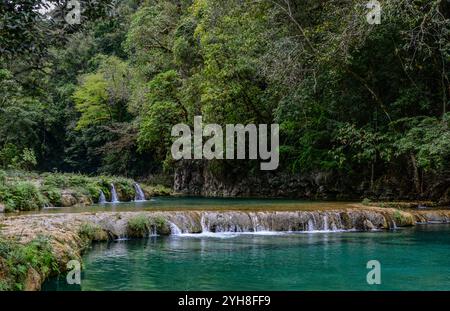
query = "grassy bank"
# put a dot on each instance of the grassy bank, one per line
(25, 191)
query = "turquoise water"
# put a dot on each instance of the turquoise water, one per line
(198, 203)
(411, 259)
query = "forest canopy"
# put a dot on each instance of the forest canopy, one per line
(350, 96)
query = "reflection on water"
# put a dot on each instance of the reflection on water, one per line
(411, 259)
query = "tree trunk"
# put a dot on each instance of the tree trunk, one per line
(416, 174)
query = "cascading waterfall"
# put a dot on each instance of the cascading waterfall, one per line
(152, 231)
(279, 221)
(139, 196)
(255, 224)
(114, 198)
(394, 225)
(310, 226)
(101, 198)
(260, 222)
(325, 222)
(205, 228)
(174, 230)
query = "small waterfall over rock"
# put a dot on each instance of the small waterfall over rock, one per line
(325, 222)
(174, 230)
(152, 231)
(114, 198)
(101, 198)
(276, 221)
(310, 225)
(139, 196)
(261, 222)
(205, 228)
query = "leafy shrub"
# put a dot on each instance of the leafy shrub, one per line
(24, 191)
(3, 175)
(54, 180)
(399, 218)
(366, 201)
(21, 195)
(16, 259)
(11, 157)
(52, 194)
(92, 232)
(138, 226)
(160, 225)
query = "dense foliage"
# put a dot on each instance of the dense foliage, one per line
(18, 260)
(23, 191)
(350, 96)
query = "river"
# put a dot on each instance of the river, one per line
(416, 258)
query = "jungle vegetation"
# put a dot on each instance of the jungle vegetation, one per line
(100, 97)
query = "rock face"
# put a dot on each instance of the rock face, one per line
(33, 281)
(2, 208)
(69, 199)
(196, 177)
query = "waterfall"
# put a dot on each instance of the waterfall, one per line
(152, 231)
(101, 198)
(263, 222)
(254, 220)
(394, 225)
(205, 228)
(325, 223)
(174, 230)
(230, 223)
(310, 225)
(114, 198)
(139, 196)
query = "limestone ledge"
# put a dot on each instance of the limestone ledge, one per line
(68, 241)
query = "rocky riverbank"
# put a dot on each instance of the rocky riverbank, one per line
(196, 177)
(70, 234)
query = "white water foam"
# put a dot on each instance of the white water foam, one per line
(205, 228)
(174, 229)
(114, 198)
(229, 234)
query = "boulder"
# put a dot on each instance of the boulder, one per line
(84, 200)
(368, 225)
(33, 281)
(68, 199)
